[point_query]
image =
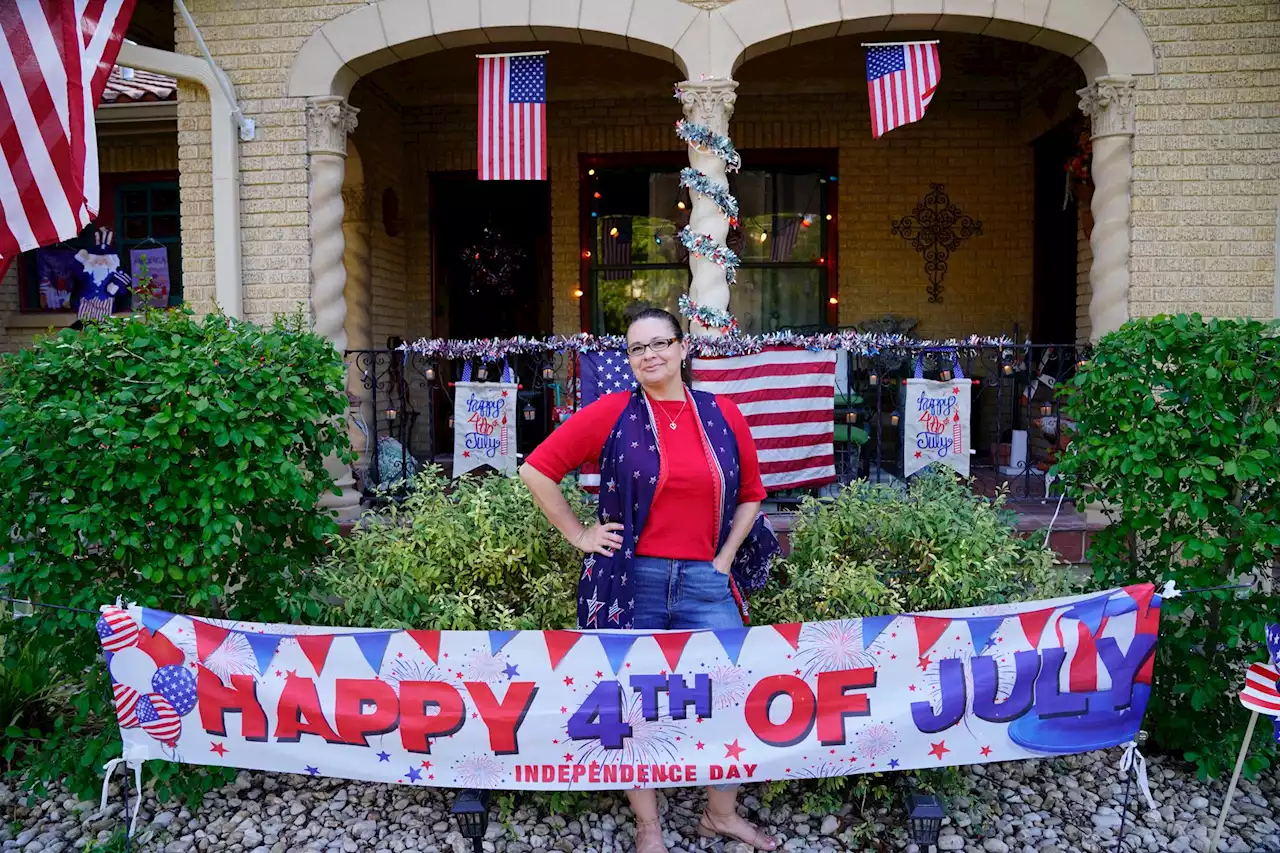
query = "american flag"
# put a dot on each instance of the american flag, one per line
(788, 398)
(901, 80)
(513, 118)
(786, 230)
(55, 57)
(602, 373)
(616, 248)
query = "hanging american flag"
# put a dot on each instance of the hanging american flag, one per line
(602, 373)
(513, 118)
(55, 57)
(788, 398)
(786, 229)
(616, 246)
(901, 81)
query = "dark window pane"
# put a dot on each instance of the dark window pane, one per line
(164, 199)
(135, 228)
(165, 225)
(768, 299)
(619, 298)
(781, 216)
(134, 201)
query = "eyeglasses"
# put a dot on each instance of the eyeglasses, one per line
(657, 345)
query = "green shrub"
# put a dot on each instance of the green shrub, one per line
(172, 461)
(1176, 440)
(475, 555)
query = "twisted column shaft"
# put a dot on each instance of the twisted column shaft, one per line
(356, 259)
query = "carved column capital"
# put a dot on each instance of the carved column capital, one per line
(706, 5)
(355, 204)
(330, 119)
(709, 102)
(1110, 103)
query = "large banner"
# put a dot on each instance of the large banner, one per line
(619, 709)
(484, 426)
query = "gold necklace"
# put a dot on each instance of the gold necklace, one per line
(670, 420)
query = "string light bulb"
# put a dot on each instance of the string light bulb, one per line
(613, 232)
(764, 235)
(591, 171)
(828, 217)
(597, 194)
(835, 300)
(680, 205)
(577, 293)
(586, 254)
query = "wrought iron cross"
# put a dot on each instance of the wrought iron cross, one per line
(936, 228)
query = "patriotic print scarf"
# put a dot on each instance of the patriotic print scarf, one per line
(632, 475)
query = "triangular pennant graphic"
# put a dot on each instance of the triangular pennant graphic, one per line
(616, 647)
(316, 648)
(873, 627)
(1033, 624)
(672, 646)
(558, 644)
(1141, 593)
(981, 629)
(163, 651)
(264, 649)
(429, 642)
(498, 639)
(790, 632)
(732, 640)
(373, 646)
(928, 630)
(208, 638)
(154, 620)
(1090, 612)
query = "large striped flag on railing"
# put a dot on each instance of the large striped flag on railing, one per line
(788, 398)
(55, 56)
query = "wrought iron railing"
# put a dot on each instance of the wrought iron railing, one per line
(1016, 427)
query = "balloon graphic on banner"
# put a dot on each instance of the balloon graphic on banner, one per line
(117, 630)
(126, 706)
(133, 668)
(176, 684)
(159, 719)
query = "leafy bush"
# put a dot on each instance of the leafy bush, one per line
(474, 555)
(169, 460)
(878, 550)
(1177, 442)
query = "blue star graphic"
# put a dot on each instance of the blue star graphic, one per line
(894, 763)
(414, 774)
(511, 671)
(382, 756)
(314, 771)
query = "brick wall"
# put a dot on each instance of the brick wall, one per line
(968, 143)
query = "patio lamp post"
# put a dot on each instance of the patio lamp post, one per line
(925, 813)
(471, 810)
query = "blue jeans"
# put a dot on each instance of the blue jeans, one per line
(683, 595)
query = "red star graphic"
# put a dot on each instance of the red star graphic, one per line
(218, 748)
(893, 657)
(568, 756)
(466, 454)
(504, 393)
(564, 710)
(918, 454)
(955, 390)
(912, 688)
(924, 663)
(939, 749)
(894, 634)
(399, 654)
(732, 750)
(426, 765)
(599, 674)
(797, 672)
(568, 682)
(700, 744)
(474, 715)
(986, 750)
(432, 776)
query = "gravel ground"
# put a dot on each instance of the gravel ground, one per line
(1051, 806)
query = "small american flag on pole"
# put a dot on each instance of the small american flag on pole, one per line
(901, 81)
(513, 117)
(788, 398)
(55, 57)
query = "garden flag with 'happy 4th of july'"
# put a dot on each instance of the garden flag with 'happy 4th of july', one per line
(484, 426)
(936, 424)
(561, 710)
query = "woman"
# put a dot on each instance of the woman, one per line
(680, 491)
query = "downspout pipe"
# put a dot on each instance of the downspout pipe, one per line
(226, 162)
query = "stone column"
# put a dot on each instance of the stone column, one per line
(329, 120)
(358, 296)
(1109, 104)
(710, 103)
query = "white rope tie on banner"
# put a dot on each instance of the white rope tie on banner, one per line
(1171, 590)
(135, 765)
(1133, 758)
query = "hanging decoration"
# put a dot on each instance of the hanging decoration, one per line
(704, 246)
(103, 279)
(712, 318)
(937, 423)
(935, 229)
(854, 342)
(694, 180)
(484, 423)
(1079, 169)
(492, 265)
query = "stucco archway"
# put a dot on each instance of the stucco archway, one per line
(388, 31)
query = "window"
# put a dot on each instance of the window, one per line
(144, 215)
(636, 259)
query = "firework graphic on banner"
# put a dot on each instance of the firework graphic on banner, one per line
(234, 656)
(875, 741)
(486, 667)
(651, 741)
(824, 770)
(832, 646)
(480, 771)
(728, 686)
(409, 669)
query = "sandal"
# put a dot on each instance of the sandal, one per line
(652, 842)
(713, 824)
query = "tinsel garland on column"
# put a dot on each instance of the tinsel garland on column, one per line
(703, 139)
